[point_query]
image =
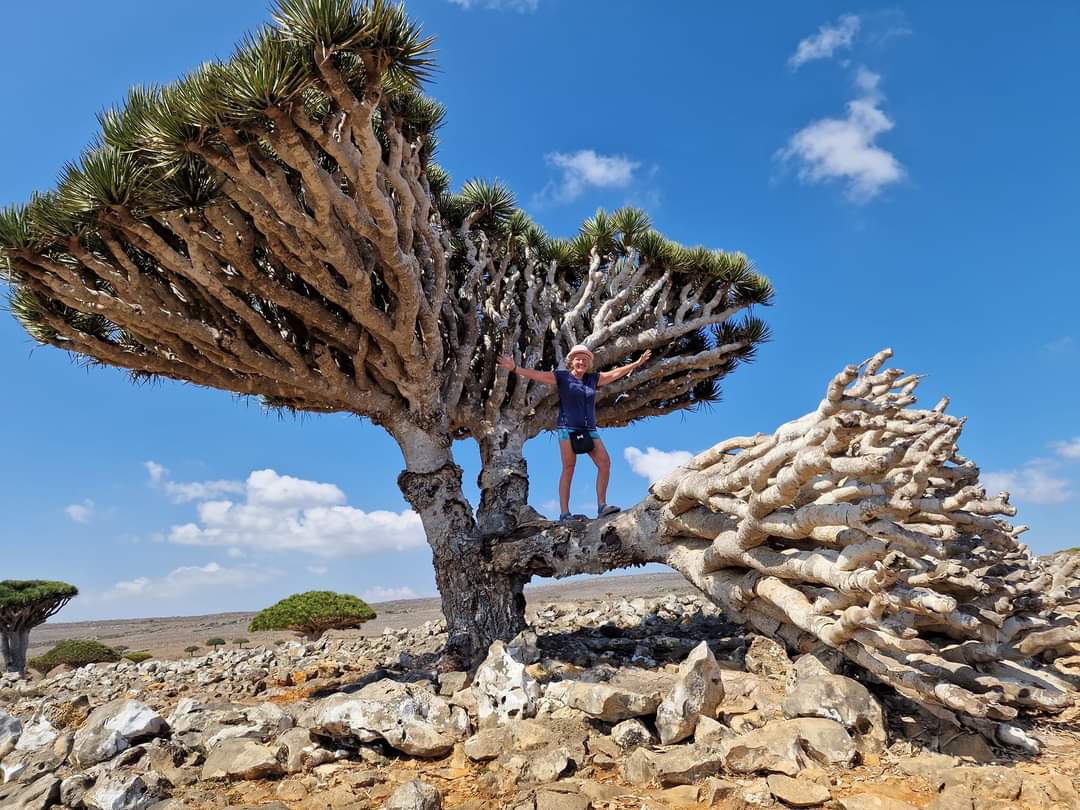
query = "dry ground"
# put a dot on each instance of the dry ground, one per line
(167, 636)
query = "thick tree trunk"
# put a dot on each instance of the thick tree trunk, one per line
(13, 646)
(481, 605)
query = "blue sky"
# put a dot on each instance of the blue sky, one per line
(905, 178)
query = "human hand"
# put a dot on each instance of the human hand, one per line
(644, 358)
(506, 361)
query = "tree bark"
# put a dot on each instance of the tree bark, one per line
(13, 646)
(480, 603)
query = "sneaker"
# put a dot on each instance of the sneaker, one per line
(566, 517)
(606, 509)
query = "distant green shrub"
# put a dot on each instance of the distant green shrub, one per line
(75, 652)
(138, 656)
(313, 612)
(194, 648)
(121, 648)
(240, 642)
(215, 642)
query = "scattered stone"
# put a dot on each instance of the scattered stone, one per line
(797, 792)
(602, 701)
(553, 800)
(241, 759)
(698, 690)
(415, 795)
(683, 765)
(788, 746)
(503, 689)
(451, 682)
(819, 693)
(38, 734)
(954, 798)
(486, 744)
(42, 793)
(971, 747)
(629, 734)
(991, 782)
(119, 791)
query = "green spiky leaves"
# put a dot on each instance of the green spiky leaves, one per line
(312, 612)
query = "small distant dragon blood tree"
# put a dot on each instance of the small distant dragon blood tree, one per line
(24, 604)
(313, 612)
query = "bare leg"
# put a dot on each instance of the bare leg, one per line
(602, 460)
(569, 459)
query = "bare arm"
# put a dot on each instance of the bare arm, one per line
(620, 372)
(543, 377)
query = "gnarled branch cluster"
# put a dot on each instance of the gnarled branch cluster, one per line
(861, 526)
(275, 225)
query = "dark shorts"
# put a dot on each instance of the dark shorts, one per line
(564, 434)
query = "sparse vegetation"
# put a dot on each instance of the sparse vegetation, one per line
(215, 642)
(194, 648)
(138, 656)
(240, 642)
(74, 652)
(313, 612)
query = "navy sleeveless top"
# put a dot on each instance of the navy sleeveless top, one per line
(577, 400)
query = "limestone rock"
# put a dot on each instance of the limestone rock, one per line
(797, 792)
(36, 734)
(603, 701)
(769, 659)
(119, 791)
(503, 689)
(39, 794)
(486, 744)
(408, 717)
(991, 782)
(10, 729)
(788, 746)
(683, 765)
(629, 734)
(819, 693)
(114, 727)
(414, 795)
(698, 690)
(241, 759)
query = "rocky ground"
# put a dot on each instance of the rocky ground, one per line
(167, 636)
(610, 704)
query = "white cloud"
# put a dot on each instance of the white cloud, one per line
(585, 169)
(654, 464)
(499, 5)
(844, 149)
(180, 492)
(383, 594)
(1069, 449)
(828, 40)
(81, 512)
(185, 579)
(318, 570)
(282, 513)
(1034, 482)
(1062, 345)
(236, 553)
(157, 471)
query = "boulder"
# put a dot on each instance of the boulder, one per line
(682, 765)
(301, 752)
(409, 717)
(503, 689)
(486, 744)
(629, 734)
(242, 759)
(414, 795)
(262, 722)
(39, 794)
(10, 729)
(602, 701)
(789, 746)
(37, 734)
(114, 727)
(818, 693)
(698, 690)
(120, 791)
(797, 792)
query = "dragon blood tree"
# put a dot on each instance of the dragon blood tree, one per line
(313, 613)
(24, 604)
(275, 226)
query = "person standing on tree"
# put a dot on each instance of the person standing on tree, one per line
(577, 418)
